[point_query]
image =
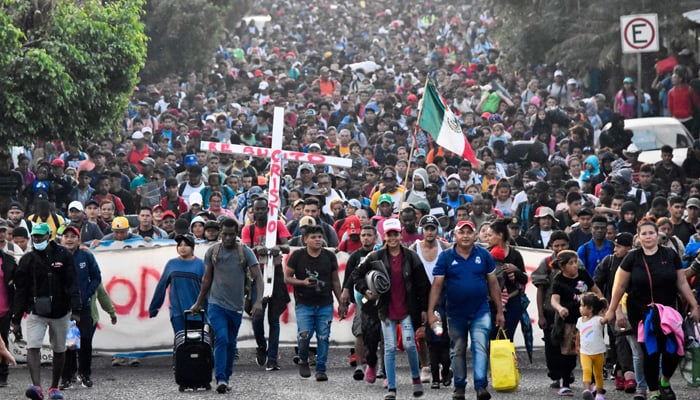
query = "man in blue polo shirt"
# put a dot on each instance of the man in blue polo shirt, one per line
(467, 273)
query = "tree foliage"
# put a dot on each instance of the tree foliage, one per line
(69, 69)
(575, 34)
(184, 33)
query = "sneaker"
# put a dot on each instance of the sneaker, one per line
(3, 382)
(304, 370)
(565, 391)
(353, 358)
(667, 393)
(370, 374)
(640, 395)
(34, 393)
(381, 374)
(86, 381)
(65, 385)
(630, 385)
(599, 396)
(134, 362)
(483, 394)
(435, 385)
(260, 356)
(55, 394)
(555, 384)
(321, 377)
(118, 361)
(447, 378)
(272, 366)
(221, 387)
(425, 375)
(619, 383)
(417, 389)
(390, 395)
(587, 395)
(359, 374)
(458, 394)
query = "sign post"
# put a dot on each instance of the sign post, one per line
(276, 155)
(639, 34)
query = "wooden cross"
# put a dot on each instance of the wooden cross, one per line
(276, 155)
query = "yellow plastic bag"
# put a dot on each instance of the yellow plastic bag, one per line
(504, 363)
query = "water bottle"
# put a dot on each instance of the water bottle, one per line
(437, 325)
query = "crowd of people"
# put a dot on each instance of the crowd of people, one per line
(433, 238)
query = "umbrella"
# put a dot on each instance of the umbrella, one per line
(526, 325)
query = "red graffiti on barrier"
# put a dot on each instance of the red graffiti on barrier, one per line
(149, 277)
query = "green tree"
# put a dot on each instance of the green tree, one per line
(184, 33)
(575, 34)
(68, 70)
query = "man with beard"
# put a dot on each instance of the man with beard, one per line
(254, 236)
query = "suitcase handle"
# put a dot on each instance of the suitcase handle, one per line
(188, 321)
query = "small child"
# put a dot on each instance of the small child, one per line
(590, 344)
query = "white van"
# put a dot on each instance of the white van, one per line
(650, 134)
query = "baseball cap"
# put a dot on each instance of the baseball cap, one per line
(3, 224)
(168, 214)
(421, 205)
(571, 81)
(462, 224)
(188, 239)
(558, 73)
(137, 135)
(211, 225)
(624, 239)
(93, 202)
(195, 198)
(628, 80)
(392, 224)
(307, 166)
(429, 220)
(314, 146)
(354, 203)
(75, 204)
(58, 163)
(15, 206)
(693, 202)
(41, 195)
(191, 159)
(541, 187)
(306, 221)
(71, 228)
(545, 212)
(146, 129)
(148, 161)
(385, 198)
(254, 191)
(120, 223)
(353, 225)
(41, 228)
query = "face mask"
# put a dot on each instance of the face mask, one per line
(41, 246)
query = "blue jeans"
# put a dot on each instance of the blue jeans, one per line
(273, 320)
(225, 324)
(409, 346)
(637, 361)
(310, 320)
(460, 329)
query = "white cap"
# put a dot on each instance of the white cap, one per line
(571, 81)
(391, 224)
(147, 129)
(558, 73)
(195, 198)
(263, 85)
(75, 204)
(137, 135)
(211, 118)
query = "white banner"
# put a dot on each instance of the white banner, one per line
(130, 277)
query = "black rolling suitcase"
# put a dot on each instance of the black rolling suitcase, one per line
(194, 358)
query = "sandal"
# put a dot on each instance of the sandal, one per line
(565, 391)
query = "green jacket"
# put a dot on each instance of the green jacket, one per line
(105, 302)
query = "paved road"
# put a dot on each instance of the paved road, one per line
(154, 380)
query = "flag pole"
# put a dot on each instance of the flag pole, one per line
(413, 143)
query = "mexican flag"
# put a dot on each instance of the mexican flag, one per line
(440, 122)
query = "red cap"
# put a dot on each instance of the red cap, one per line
(58, 163)
(412, 98)
(493, 69)
(157, 206)
(257, 73)
(73, 229)
(462, 224)
(168, 214)
(353, 225)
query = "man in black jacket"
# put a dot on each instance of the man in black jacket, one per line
(8, 266)
(46, 288)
